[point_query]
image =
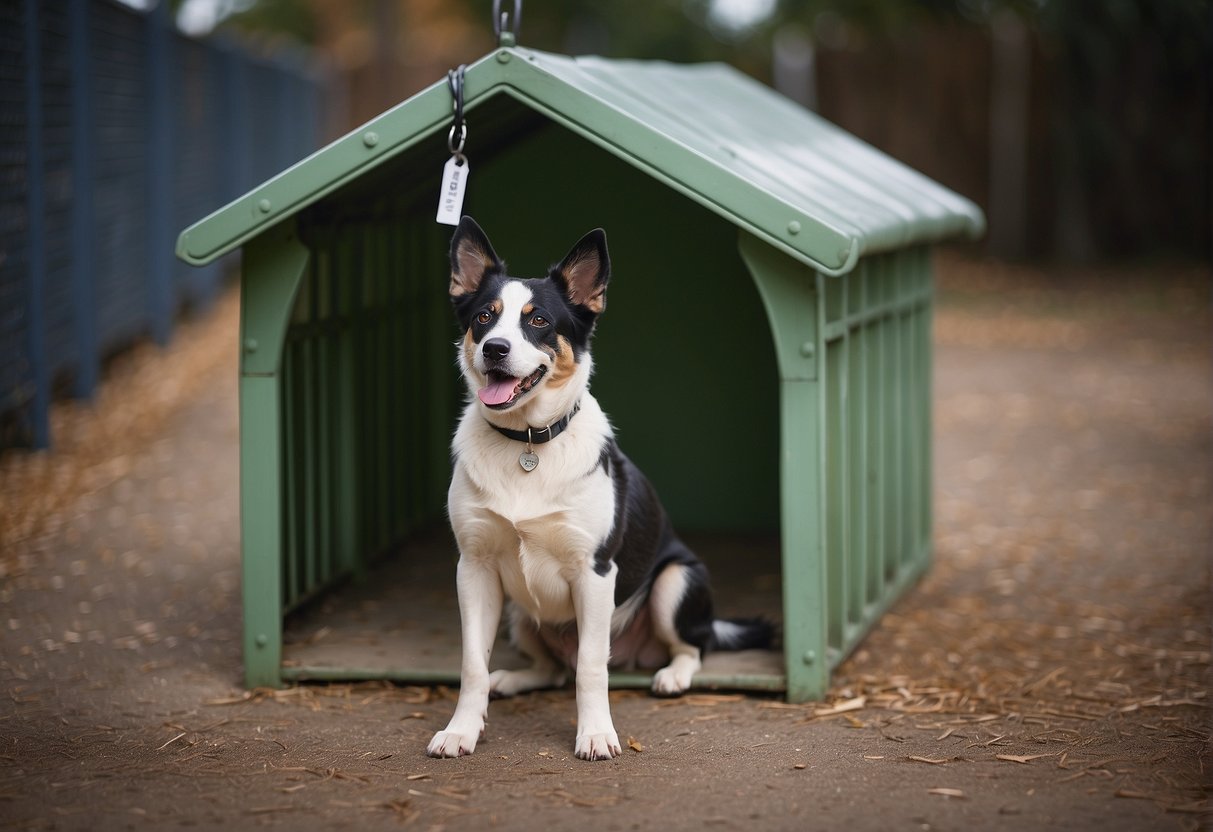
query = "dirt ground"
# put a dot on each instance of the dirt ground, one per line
(1052, 671)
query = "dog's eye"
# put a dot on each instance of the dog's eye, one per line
(484, 317)
(539, 321)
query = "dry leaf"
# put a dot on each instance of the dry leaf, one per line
(842, 707)
(1025, 758)
(634, 745)
(1134, 795)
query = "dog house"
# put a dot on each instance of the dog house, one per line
(765, 357)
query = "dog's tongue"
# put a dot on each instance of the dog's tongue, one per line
(498, 391)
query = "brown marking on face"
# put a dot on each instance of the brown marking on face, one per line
(564, 364)
(497, 306)
(528, 308)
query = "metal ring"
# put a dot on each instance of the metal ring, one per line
(500, 18)
(462, 130)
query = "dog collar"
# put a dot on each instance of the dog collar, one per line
(528, 459)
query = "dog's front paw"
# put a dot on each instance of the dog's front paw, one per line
(670, 682)
(598, 746)
(452, 744)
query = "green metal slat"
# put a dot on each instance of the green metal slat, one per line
(834, 420)
(857, 556)
(349, 488)
(361, 408)
(905, 436)
(914, 456)
(290, 469)
(926, 390)
(328, 387)
(393, 324)
(308, 452)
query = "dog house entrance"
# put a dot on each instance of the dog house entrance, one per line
(683, 349)
(402, 621)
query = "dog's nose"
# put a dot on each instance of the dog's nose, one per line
(496, 349)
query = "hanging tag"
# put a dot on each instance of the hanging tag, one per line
(454, 182)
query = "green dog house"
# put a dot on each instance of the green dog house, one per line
(771, 302)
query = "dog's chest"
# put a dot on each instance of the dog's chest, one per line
(542, 528)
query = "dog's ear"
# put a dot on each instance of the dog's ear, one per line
(584, 271)
(472, 257)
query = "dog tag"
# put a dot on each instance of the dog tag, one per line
(529, 460)
(454, 182)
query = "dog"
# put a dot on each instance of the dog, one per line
(550, 516)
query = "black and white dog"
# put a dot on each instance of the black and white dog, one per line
(549, 513)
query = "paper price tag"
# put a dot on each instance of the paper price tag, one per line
(454, 182)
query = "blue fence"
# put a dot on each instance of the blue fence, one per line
(117, 131)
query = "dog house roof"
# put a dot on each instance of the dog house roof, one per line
(722, 139)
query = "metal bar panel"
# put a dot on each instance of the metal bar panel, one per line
(310, 447)
(926, 390)
(350, 540)
(159, 241)
(83, 219)
(904, 433)
(290, 476)
(913, 416)
(857, 555)
(35, 205)
(328, 390)
(833, 402)
(890, 415)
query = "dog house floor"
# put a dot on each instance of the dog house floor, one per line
(401, 620)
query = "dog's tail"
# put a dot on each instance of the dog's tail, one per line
(742, 633)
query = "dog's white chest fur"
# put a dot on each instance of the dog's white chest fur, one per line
(541, 528)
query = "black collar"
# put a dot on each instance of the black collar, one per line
(537, 436)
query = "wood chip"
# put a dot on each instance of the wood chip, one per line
(947, 792)
(1018, 758)
(1132, 795)
(170, 742)
(841, 707)
(931, 760)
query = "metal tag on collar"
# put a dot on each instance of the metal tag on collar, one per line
(528, 459)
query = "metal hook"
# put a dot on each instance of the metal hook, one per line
(458, 135)
(502, 19)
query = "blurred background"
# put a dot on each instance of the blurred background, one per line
(1081, 127)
